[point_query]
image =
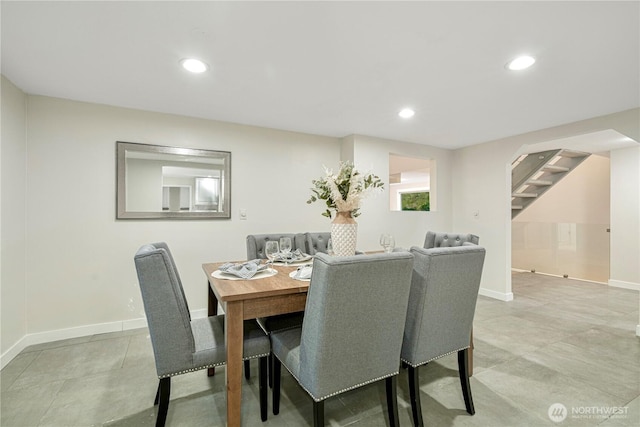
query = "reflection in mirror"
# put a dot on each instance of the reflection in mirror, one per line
(207, 190)
(169, 182)
(410, 180)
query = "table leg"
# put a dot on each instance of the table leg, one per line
(212, 306)
(212, 310)
(233, 334)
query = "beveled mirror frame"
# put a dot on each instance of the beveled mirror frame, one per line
(174, 156)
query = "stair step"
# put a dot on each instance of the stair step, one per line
(571, 153)
(534, 173)
(539, 182)
(556, 169)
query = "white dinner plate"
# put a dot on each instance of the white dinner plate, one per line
(259, 275)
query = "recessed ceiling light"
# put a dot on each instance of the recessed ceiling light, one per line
(194, 65)
(406, 113)
(521, 62)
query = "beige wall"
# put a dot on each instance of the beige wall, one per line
(408, 228)
(625, 217)
(78, 274)
(79, 262)
(12, 214)
(481, 206)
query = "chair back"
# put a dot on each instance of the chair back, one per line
(256, 243)
(354, 320)
(442, 302)
(438, 240)
(166, 308)
(316, 242)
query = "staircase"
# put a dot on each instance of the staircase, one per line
(533, 174)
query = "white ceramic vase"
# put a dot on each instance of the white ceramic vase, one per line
(344, 233)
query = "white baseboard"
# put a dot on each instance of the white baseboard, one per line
(127, 325)
(625, 285)
(496, 295)
(13, 351)
(80, 331)
(202, 313)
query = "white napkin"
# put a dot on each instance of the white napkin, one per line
(304, 272)
(245, 270)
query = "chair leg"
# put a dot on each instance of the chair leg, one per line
(277, 368)
(262, 381)
(162, 396)
(271, 370)
(471, 347)
(318, 413)
(392, 400)
(247, 370)
(463, 365)
(414, 395)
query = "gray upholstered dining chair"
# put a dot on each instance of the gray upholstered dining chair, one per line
(255, 249)
(442, 303)
(352, 330)
(257, 242)
(435, 239)
(316, 242)
(181, 344)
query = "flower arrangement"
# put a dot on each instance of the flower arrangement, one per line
(344, 191)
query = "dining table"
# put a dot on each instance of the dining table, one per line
(242, 299)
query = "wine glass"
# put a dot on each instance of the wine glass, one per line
(271, 250)
(285, 248)
(387, 242)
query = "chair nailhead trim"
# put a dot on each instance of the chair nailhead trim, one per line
(430, 360)
(339, 391)
(173, 374)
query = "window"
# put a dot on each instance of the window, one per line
(414, 201)
(410, 181)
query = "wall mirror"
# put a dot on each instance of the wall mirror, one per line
(155, 182)
(410, 183)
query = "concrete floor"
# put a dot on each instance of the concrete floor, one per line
(560, 341)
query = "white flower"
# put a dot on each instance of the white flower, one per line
(344, 191)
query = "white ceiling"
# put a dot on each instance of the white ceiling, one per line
(336, 68)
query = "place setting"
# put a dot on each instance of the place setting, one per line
(248, 270)
(302, 273)
(277, 253)
(280, 253)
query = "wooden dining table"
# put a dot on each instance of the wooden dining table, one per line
(249, 299)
